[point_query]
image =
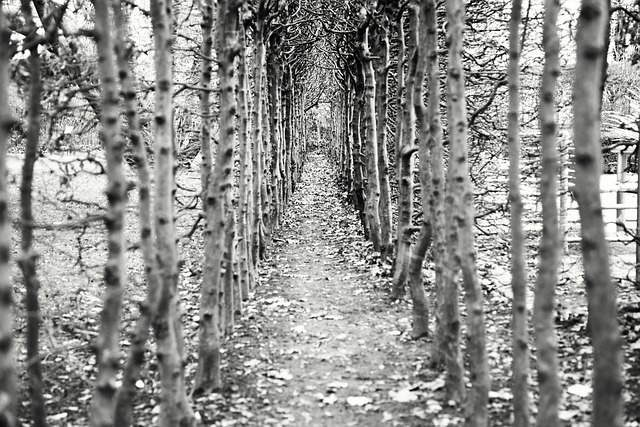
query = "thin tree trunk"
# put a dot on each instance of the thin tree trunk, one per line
(256, 123)
(246, 177)
(8, 389)
(520, 363)
(148, 308)
(543, 305)
(358, 162)
(381, 51)
(267, 199)
(370, 124)
(228, 262)
(114, 276)
(28, 257)
(399, 93)
(601, 292)
(406, 159)
(346, 132)
(418, 294)
(437, 210)
(216, 207)
(274, 82)
(175, 409)
(478, 399)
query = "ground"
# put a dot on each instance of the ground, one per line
(319, 342)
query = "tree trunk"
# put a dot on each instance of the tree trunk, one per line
(114, 275)
(407, 150)
(257, 141)
(399, 93)
(28, 257)
(601, 292)
(436, 209)
(381, 51)
(148, 308)
(418, 294)
(216, 207)
(175, 409)
(358, 162)
(543, 305)
(462, 194)
(8, 389)
(245, 153)
(370, 124)
(520, 363)
(275, 82)
(228, 262)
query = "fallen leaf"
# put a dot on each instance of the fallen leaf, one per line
(282, 374)
(57, 417)
(358, 400)
(580, 390)
(251, 363)
(300, 329)
(330, 399)
(403, 395)
(434, 385)
(338, 384)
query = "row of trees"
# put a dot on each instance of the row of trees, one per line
(447, 214)
(252, 89)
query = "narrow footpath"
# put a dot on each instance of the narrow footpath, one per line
(320, 343)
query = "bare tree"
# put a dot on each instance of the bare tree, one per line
(601, 293)
(406, 157)
(28, 257)
(216, 205)
(148, 308)
(115, 275)
(546, 339)
(8, 390)
(175, 407)
(520, 364)
(462, 193)
(416, 287)
(369, 124)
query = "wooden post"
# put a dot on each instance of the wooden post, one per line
(621, 177)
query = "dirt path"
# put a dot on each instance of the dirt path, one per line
(320, 344)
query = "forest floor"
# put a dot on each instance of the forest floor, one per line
(319, 342)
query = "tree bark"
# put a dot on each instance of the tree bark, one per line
(543, 305)
(175, 409)
(381, 51)
(358, 162)
(446, 311)
(369, 123)
(398, 137)
(256, 133)
(478, 399)
(406, 159)
(28, 257)
(275, 77)
(418, 294)
(520, 363)
(601, 292)
(216, 206)
(8, 389)
(103, 404)
(245, 153)
(148, 308)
